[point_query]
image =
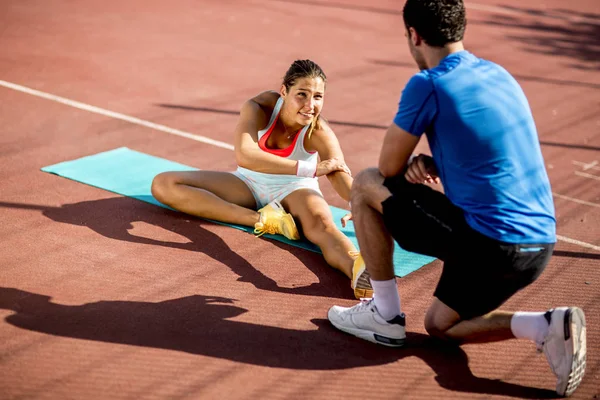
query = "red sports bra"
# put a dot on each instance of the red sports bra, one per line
(262, 143)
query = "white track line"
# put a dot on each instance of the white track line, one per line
(586, 175)
(587, 203)
(586, 166)
(578, 242)
(162, 128)
(112, 114)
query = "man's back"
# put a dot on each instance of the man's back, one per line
(485, 146)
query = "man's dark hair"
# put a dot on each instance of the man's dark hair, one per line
(438, 22)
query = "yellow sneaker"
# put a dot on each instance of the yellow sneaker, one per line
(360, 277)
(274, 220)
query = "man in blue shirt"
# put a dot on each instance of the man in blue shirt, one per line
(494, 227)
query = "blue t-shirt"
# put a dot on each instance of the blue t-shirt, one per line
(485, 146)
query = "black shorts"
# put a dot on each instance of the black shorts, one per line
(479, 273)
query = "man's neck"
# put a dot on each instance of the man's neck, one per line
(436, 54)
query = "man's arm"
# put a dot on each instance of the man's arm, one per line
(416, 113)
(396, 154)
(398, 146)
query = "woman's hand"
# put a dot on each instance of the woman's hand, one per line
(422, 170)
(345, 219)
(326, 167)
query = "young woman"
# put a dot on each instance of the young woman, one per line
(282, 145)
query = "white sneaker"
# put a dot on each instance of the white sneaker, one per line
(363, 320)
(565, 347)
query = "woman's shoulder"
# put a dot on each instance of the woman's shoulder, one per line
(322, 127)
(320, 135)
(260, 107)
(266, 100)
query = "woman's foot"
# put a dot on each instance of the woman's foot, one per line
(275, 221)
(361, 282)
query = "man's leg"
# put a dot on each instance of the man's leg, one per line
(375, 242)
(560, 333)
(379, 320)
(443, 322)
(420, 219)
(465, 309)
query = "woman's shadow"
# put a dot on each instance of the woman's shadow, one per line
(201, 325)
(114, 218)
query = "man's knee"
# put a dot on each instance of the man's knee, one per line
(435, 330)
(366, 180)
(440, 319)
(368, 187)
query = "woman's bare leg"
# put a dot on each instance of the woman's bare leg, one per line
(220, 196)
(314, 216)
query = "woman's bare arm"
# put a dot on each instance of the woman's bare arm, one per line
(254, 117)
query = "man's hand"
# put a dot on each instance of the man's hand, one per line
(422, 170)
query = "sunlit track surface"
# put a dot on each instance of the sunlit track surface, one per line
(107, 297)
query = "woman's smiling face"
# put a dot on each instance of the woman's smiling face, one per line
(303, 101)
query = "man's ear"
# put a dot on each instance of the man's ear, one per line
(415, 37)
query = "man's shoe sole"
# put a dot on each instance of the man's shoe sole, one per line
(575, 342)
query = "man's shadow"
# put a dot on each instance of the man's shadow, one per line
(114, 217)
(200, 325)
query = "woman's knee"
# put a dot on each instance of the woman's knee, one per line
(162, 186)
(317, 225)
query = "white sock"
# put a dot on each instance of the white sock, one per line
(529, 325)
(386, 298)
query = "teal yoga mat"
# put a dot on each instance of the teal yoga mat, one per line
(130, 173)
